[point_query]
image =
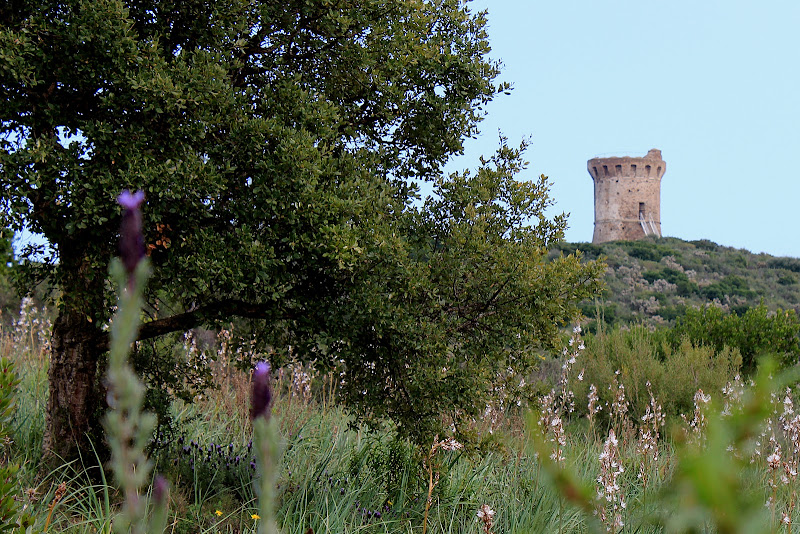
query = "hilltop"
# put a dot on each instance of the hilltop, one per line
(654, 280)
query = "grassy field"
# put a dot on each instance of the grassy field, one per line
(560, 472)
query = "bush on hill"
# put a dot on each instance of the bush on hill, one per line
(790, 264)
(755, 333)
(637, 356)
(731, 285)
(646, 250)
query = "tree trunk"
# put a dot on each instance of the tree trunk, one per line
(75, 403)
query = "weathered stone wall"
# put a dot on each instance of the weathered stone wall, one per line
(623, 188)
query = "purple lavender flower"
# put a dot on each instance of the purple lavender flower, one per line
(131, 241)
(262, 392)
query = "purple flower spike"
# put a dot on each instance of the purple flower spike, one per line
(262, 392)
(131, 241)
(131, 201)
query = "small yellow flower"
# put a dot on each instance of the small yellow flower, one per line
(255, 517)
(218, 513)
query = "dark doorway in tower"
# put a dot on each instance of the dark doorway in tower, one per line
(641, 210)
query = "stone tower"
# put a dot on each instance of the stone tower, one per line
(627, 196)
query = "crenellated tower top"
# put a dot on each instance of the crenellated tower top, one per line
(627, 196)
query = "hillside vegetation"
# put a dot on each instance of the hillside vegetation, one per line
(655, 280)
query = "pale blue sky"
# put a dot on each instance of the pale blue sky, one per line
(713, 84)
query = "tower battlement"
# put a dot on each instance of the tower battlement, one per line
(627, 196)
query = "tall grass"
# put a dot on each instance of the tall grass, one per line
(335, 478)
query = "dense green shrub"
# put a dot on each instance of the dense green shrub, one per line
(787, 279)
(687, 288)
(754, 333)
(738, 260)
(689, 368)
(675, 373)
(790, 264)
(705, 244)
(647, 250)
(670, 313)
(589, 251)
(731, 285)
(599, 312)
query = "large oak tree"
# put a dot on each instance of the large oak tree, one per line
(277, 144)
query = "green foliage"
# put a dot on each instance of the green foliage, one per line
(170, 370)
(689, 368)
(675, 373)
(673, 276)
(711, 485)
(731, 285)
(6, 251)
(789, 264)
(384, 462)
(645, 250)
(314, 120)
(755, 333)
(9, 299)
(705, 244)
(588, 250)
(739, 260)
(672, 312)
(9, 488)
(598, 312)
(470, 297)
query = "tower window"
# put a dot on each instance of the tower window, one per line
(641, 209)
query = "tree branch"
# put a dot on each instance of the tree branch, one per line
(188, 320)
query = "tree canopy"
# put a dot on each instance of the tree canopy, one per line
(278, 145)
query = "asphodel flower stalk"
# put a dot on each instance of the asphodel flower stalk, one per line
(447, 444)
